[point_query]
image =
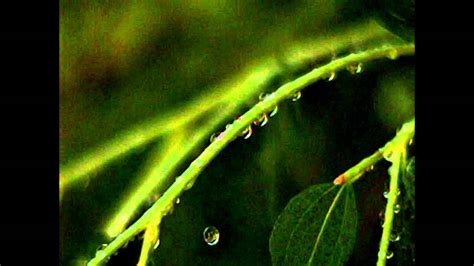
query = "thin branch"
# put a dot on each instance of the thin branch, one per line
(354, 173)
(188, 177)
(396, 156)
(232, 94)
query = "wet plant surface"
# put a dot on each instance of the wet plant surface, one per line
(228, 149)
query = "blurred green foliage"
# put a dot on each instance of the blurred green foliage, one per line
(123, 62)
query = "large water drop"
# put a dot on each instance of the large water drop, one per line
(211, 235)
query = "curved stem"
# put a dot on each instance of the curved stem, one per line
(186, 180)
(232, 94)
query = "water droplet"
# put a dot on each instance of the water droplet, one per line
(392, 54)
(332, 77)
(359, 68)
(211, 235)
(178, 200)
(394, 237)
(410, 142)
(216, 136)
(355, 69)
(296, 96)
(262, 96)
(397, 208)
(385, 194)
(370, 168)
(274, 111)
(389, 254)
(228, 126)
(213, 137)
(101, 247)
(411, 167)
(262, 120)
(156, 244)
(247, 133)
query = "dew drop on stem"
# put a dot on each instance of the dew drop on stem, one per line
(394, 237)
(262, 120)
(157, 243)
(296, 96)
(397, 208)
(213, 137)
(274, 111)
(389, 254)
(211, 235)
(332, 76)
(355, 69)
(247, 133)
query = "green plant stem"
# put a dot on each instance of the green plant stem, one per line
(230, 94)
(394, 172)
(150, 242)
(354, 173)
(397, 156)
(186, 180)
(182, 142)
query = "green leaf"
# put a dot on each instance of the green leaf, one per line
(317, 227)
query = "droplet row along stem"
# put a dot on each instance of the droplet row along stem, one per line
(267, 105)
(397, 156)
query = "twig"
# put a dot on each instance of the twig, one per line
(354, 173)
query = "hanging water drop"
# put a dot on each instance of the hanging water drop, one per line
(397, 208)
(355, 69)
(389, 254)
(394, 237)
(370, 168)
(178, 200)
(410, 142)
(156, 244)
(213, 137)
(332, 77)
(211, 235)
(274, 111)
(262, 120)
(262, 96)
(385, 194)
(296, 96)
(247, 133)
(359, 68)
(410, 169)
(101, 247)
